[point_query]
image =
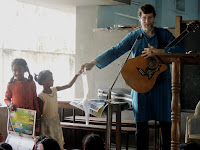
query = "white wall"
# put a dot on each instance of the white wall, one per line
(89, 44)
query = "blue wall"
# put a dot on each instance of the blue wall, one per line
(108, 16)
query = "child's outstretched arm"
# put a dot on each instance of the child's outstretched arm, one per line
(59, 88)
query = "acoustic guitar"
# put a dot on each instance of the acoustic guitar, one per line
(140, 73)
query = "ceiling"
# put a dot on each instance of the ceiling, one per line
(59, 4)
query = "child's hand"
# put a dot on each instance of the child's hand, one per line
(11, 107)
(80, 72)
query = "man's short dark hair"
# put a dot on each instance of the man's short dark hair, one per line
(146, 9)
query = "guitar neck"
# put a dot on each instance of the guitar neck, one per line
(178, 39)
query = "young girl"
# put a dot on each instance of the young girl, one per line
(50, 122)
(45, 142)
(21, 92)
(93, 141)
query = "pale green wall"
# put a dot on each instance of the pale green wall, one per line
(108, 16)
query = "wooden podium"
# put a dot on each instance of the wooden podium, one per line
(177, 60)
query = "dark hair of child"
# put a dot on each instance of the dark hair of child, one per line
(6, 146)
(42, 76)
(93, 141)
(1, 148)
(42, 137)
(23, 63)
(48, 143)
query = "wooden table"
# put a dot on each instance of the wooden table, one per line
(177, 60)
(116, 107)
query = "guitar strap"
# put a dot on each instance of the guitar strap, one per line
(160, 42)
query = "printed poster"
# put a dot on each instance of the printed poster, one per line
(20, 141)
(22, 121)
(21, 129)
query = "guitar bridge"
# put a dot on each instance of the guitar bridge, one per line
(141, 71)
(149, 72)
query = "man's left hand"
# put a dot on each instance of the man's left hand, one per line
(148, 51)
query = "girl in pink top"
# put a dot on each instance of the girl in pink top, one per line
(21, 92)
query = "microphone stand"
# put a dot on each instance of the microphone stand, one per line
(108, 100)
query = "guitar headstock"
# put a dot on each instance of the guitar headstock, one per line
(192, 26)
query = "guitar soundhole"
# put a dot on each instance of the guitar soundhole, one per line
(152, 63)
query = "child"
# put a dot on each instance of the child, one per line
(21, 92)
(93, 141)
(6, 146)
(45, 142)
(50, 122)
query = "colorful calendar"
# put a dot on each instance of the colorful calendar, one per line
(21, 129)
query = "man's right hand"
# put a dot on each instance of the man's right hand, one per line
(89, 66)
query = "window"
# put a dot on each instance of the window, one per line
(180, 5)
(44, 37)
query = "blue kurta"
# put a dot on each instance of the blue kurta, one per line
(155, 104)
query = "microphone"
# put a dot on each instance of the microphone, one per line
(140, 36)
